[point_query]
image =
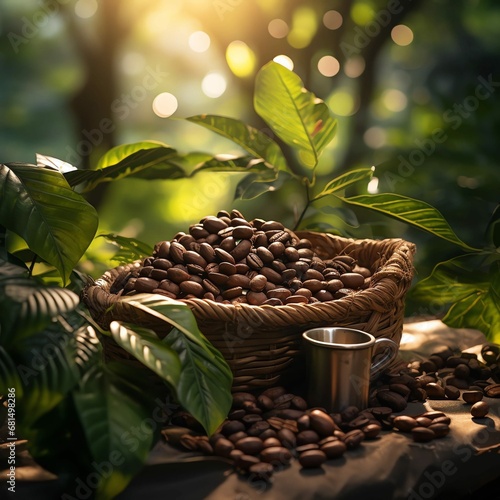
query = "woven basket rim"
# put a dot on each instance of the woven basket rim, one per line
(369, 298)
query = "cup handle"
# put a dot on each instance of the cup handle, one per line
(391, 351)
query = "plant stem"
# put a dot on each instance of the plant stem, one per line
(32, 266)
(303, 213)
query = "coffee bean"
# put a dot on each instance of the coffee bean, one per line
(244, 461)
(334, 449)
(271, 275)
(472, 397)
(314, 285)
(296, 299)
(243, 232)
(405, 423)
(250, 445)
(322, 423)
(303, 423)
(241, 250)
(189, 442)
(279, 293)
(354, 438)
(237, 436)
(371, 431)
(232, 427)
(352, 280)
(232, 293)
(492, 391)
(274, 392)
(306, 437)
(423, 421)
(190, 287)
(451, 392)
(299, 403)
(283, 401)
(349, 413)
(440, 429)
(213, 224)
(392, 399)
(261, 471)
(306, 447)
(435, 391)
(276, 455)
(479, 409)
(287, 438)
(223, 447)
(422, 434)
(146, 285)
(290, 413)
(312, 458)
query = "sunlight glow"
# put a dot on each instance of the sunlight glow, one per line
(328, 66)
(86, 8)
(373, 185)
(199, 41)
(165, 105)
(402, 35)
(284, 61)
(278, 28)
(213, 85)
(133, 63)
(240, 58)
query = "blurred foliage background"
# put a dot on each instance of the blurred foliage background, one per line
(414, 84)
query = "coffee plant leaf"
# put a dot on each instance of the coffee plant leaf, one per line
(109, 408)
(37, 204)
(254, 185)
(203, 388)
(256, 142)
(145, 346)
(344, 181)
(127, 160)
(414, 212)
(493, 229)
(129, 249)
(295, 115)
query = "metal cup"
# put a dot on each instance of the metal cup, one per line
(340, 366)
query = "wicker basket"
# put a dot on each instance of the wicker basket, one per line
(262, 344)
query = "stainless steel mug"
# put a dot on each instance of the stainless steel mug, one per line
(340, 366)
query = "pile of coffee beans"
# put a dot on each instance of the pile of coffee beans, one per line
(231, 260)
(265, 432)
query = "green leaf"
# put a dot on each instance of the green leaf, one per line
(46, 365)
(9, 377)
(345, 180)
(466, 290)
(54, 163)
(252, 140)
(295, 115)
(27, 307)
(130, 249)
(254, 185)
(493, 229)
(145, 346)
(188, 163)
(127, 160)
(451, 281)
(38, 204)
(414, 212)
(203, 389)
(210, 398)
(112, 416)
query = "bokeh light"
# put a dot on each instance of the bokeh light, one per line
(342, 103)
(328, 66)
(199, 41)
(213, 85)
(402, 35)
(86, 8)
(394, 100)
(304, 26)
(241, 59)
(354, 66)
(375, 137)
(278, 28)
(284, 61)
(133, 63)
(165, 105)
(332, 20)
(362, 13)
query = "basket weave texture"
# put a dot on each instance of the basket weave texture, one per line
(263, 344)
